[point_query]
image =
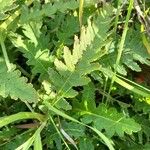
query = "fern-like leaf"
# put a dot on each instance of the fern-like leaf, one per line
(134, 53)
(11, 84)
(80, 62)
(34, 48)
(5, 7)
(102, 117)
(37, 12)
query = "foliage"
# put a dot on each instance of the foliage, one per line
(11, 84)
(70, 72)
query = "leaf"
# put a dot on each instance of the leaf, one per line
(67, 28)
(104, 118)
(54, 135)
(63, 104)
(81, 61)
(35, 49)
(107, 141)
(38, 11)
(88, 93)
(144, 122)
(67, 136)
(73, 129)
(7, 133)
(141, 106)
(38, 142)
(114, 122)
(27, 144)
(52, 139)
(20, 116)
(35, 140)
(16, 141)
(86, 143)
(134, 53)
(6, 6)
(11, 84)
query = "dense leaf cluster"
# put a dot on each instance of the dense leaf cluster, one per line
(67, 75)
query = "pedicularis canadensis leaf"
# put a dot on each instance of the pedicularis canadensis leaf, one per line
(133, 53)
(11, 84)
(34, 48)
(103, 117)
(81, 61)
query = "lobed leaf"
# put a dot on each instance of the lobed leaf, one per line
(11, 84)
(103, 117)
(80, 62)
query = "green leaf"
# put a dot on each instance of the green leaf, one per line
(35, 48)
(20, 116)
(107, 141)
(6, 6)
(38, 11)
(27, 144)
(34, 139)
(7, 133)
(63, 104)
(88, 95)
(104, 118)
(73, 129)
(144, 122)
(86, 143)
(11, 84)
(80, 62)
(38, 142)
(114, 122)
(141, 105)
(135, 51)
(67, 28)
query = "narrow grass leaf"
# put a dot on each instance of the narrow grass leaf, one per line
(20, 116)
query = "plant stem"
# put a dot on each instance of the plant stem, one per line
(120, 50)
(24, 72)
(117, 17)
(28, 105)
(81, 12)
(5, 55)
(55, 126)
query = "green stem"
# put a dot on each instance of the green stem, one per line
(28, 105)
(3, 29)
(5, 55)
(120, 50)
(24, 72)
(117, 17)
(81, 12)
(59, 132)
